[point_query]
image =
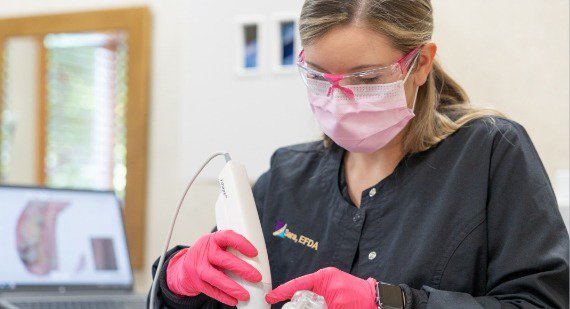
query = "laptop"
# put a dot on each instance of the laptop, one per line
(63, 248)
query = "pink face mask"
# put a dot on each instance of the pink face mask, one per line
(360, 118)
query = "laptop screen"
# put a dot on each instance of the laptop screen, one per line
(61, 238)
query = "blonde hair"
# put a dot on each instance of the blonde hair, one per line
(442, 105)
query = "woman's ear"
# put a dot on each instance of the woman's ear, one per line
(425, 63)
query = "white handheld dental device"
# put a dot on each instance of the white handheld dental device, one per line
(236, 210)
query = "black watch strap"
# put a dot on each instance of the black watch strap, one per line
(390, 296)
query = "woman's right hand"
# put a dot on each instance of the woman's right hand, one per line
(199, 269)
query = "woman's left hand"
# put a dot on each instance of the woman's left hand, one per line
(340, 289)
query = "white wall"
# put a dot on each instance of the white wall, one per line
(513, 55)
(220, 109)
(509, 54)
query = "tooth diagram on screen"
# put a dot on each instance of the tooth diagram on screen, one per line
(35, 235)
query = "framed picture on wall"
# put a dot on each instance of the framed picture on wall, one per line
(286, 43)
(249, 46)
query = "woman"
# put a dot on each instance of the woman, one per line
(414, 199)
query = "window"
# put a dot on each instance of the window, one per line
(85, 113)
(5, 123)
(74, 110)
(18, 110)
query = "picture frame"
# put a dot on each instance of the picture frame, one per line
(249, 42)
(286, 43)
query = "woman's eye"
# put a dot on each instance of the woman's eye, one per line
(370, 80)
(315, 76)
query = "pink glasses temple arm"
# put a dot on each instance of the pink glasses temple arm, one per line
(402, 62)
(302, 56)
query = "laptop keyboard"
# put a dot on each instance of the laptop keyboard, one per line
(110, 304)
(75, 305)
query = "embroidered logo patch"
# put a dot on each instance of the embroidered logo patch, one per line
(282, 231)
(280, 228)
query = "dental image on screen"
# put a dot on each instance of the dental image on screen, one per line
(35, 235)
(59, 237)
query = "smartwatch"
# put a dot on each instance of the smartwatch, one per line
(389, 296)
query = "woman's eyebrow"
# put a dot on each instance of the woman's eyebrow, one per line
(367, 66)
(316, 66)
(354, 69)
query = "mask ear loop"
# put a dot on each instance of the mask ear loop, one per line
(415, 99)
(417, 88)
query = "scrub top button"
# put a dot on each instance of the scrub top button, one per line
(356, 217)
(372, 192)
(372, 255)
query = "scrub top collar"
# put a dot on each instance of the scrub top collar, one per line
(402, 172)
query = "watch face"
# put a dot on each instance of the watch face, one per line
(391, 296)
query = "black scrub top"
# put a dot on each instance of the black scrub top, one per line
(470, 223)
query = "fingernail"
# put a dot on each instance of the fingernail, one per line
(257, 276)
(269, 299)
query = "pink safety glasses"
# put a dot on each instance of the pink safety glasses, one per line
(382, 75)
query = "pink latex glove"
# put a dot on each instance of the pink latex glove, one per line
(340, 289)
(199, 269)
